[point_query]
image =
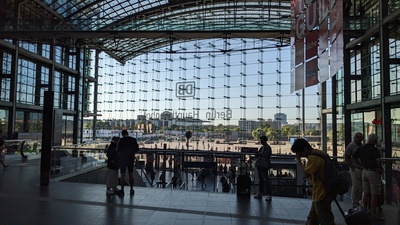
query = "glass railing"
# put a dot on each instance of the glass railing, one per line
(70, 160)
(23, 148)
(187, 165)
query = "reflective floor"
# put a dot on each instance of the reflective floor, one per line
(24, 201)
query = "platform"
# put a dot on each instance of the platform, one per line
(24, 201)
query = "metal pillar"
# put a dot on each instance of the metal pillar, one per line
(346, 94)
(47, 140)
(78, 114)
(385, 91)
(303, 112)
(334, 115)
(96, 91)
(324, 122)
(14, 92)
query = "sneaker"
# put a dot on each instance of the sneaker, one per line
(109, 192)
(132, 192)
(259, 195)
(268, 198)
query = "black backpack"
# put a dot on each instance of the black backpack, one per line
(335, 181)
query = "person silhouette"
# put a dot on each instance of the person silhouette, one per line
(126, 149)
(112, 165)
(2, 157)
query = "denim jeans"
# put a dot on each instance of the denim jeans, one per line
(264, 185)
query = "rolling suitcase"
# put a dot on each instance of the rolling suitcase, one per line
(243, 185)
(357, 216)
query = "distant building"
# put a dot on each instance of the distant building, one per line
(141, 118)
(282, 117)
(166, 115)
(248, 125)
(187, 122)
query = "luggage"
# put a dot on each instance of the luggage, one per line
(357, 216)
(243, 185)
(225, 186)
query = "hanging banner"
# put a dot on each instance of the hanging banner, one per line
(323, 37)
(312, 15)
(337, 52)
(298, 25)
(292, 66)
(312, 72)
(299, 77)
(323, 6)
(312, 44)
(323, 67)
(336, 20)
(315, 25)
(292, 80)
(299, 52)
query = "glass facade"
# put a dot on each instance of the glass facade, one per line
(26, 83)
(396, 133)
(367, 76)
(6, 77)
(30, 79)
(394, 53)
(4, 122)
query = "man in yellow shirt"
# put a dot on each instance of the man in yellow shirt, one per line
(314, 170)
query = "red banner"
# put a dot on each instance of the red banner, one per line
(298, 24)
(311, 16)
(312, 72)
(312, 44)
(299, 77)
(323, 10)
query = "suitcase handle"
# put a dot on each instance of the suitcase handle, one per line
(339, 207)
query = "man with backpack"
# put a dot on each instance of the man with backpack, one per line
(314, 171)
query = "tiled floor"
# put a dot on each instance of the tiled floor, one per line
(24, 201)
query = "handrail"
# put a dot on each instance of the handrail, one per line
(78, 161)
(81, 149)
(137, 164)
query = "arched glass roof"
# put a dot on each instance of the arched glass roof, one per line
(126, 28)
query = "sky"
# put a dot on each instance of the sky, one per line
(227, 86)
